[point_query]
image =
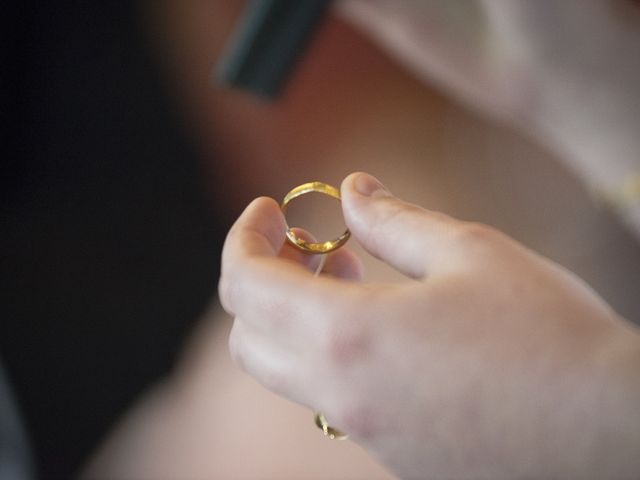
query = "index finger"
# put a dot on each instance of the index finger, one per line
(260, 287)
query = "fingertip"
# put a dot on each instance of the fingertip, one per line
(358, 190)
(347, 183)
(347, 189)
(363, 184)
(264, 205)
(263, 217)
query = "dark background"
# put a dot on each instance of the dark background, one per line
(109, 246)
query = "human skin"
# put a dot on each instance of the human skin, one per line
(494, 363)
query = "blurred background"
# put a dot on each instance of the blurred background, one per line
(123, 166)
(109, 243)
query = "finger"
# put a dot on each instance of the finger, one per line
(259, 231)
(296, 255)
(276, 368)
(266, 290)
(345, 264)
(409, 238)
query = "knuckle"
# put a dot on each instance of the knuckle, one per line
(273, 380)
(280, 313)
(230, 291)
(475, 234)
(347, 338)
(345, 345)
(224, 293)
(235, 347)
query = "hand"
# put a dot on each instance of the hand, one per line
(494, 363)
(563, 72)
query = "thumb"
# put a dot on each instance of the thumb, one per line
(409, 238)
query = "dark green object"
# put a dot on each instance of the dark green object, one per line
(264, 46)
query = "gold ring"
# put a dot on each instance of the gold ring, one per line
(329, 431)
(309, 247)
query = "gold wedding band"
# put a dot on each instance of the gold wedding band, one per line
(329, 431)
(310, 247)
(317, 248)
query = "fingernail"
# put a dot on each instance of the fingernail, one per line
(370, 186)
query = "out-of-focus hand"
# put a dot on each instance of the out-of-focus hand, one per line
(494, 363)
(565, 72)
